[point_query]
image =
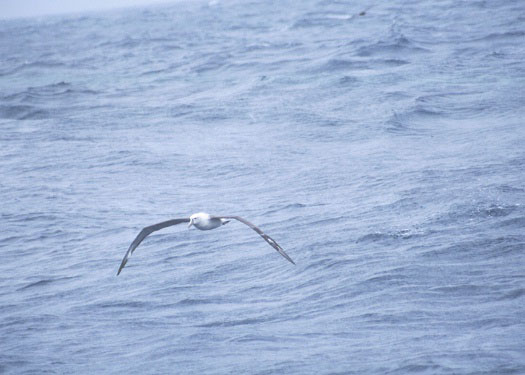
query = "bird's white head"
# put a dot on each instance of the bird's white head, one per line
(198, 218)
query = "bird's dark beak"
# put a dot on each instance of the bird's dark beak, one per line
(191, 223)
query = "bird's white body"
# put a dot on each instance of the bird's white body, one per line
(204, 221)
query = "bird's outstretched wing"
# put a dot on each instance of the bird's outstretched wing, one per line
(146, 232)
(267, 238)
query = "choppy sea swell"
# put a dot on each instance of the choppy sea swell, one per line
(380, 144)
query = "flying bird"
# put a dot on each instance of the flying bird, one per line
(202, 221)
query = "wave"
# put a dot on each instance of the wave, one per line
(338, 64)
(477, 211)
(234, 322)
(34, 65)
(484, 249)
(291, 206)
(454, 104)
(428, 109)
(23, 112)
(55, 90)
(404, 234)
(35, 102)
(518, 222)
(44, 282)
(397, 45)
(326, 19)
(502, 36)
(513, 294)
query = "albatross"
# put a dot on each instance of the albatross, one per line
(202, 221)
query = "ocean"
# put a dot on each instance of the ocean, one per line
(380, 143)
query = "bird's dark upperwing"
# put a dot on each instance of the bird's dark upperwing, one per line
(267, 238)
(145, 233)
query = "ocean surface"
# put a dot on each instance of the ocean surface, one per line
(380, 143)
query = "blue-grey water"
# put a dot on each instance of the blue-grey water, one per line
(384, 151)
